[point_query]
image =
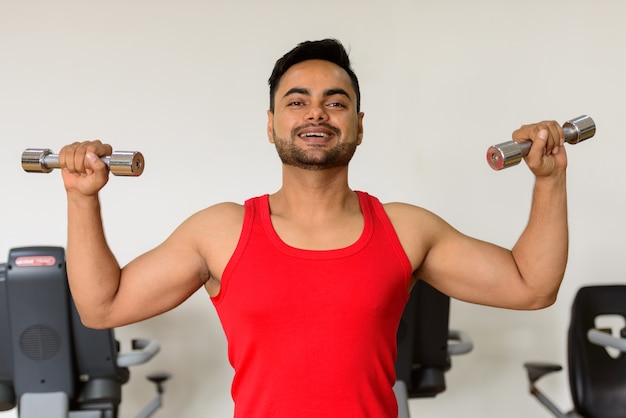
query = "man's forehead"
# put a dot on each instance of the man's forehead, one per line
(310, 72)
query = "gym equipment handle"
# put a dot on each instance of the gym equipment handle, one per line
(606, 340)
(143, 350)
(510, 153)
(120, 163)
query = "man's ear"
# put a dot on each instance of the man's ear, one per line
(360, 128)
(270, 126)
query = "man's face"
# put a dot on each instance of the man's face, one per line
(315, 124)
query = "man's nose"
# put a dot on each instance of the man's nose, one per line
(317, 113)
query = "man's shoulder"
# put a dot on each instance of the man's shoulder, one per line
(222, 210)
(222, 214)
(217, 216)
(401, 207)
(406, 214)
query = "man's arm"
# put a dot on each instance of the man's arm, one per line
(106, 295)
(528, 276)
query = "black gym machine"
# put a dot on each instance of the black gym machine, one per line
(51, 365)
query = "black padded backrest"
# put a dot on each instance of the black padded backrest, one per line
(95, 357)
(597, 380)
(39, 320)
(423, 342)
(45, 347)
(7, 393)
(95, 351)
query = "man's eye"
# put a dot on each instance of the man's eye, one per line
(295, 103)
(336, 104)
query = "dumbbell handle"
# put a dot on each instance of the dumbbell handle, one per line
(510, 153)
(120, 163)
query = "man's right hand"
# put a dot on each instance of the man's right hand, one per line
(83, 170)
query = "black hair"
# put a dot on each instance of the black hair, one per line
(327, 49)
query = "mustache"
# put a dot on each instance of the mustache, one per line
(324, 125)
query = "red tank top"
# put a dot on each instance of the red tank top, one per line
(313, 333)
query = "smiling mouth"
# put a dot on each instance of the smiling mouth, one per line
(314, 135)
(316, 132)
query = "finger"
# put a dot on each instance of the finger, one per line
(79, 158)
(93, 162)
(554, 136)
(557, 132)
(537, 151)
(542, 138)
(66, 157)
(559, 136)
(527, 132)
(86, 157)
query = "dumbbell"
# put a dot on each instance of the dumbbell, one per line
(510, 153)
(120, 163)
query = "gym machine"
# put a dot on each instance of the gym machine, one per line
(51, 365)
(596, 365)
(425, 346)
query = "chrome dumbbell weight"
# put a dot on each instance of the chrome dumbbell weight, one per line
(120, 163)
(510, 153)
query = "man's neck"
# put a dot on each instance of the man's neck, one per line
(313, 193)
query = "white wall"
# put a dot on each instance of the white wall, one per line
(185, 83)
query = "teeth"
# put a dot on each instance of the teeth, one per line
(314, 134)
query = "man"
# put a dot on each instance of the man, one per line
(310, 282)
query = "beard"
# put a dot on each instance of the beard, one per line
(315, 158)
